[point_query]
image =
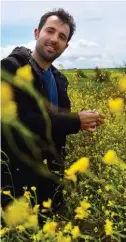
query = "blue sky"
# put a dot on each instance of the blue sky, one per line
(100, 38)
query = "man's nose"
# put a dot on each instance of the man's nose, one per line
(54, 38)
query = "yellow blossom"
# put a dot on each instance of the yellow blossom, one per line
(116, 105)
(27, 194)
(8, 193)
(80, 165)
(16, 213)
(4, 231)
(50, 228)
(36, 208)
(24, 73)
(6, 93)
(70, 175)
(75, 232)
(9, 111)
(37, 237)
(47, 204)
(33, 188)
(32, 221)
(108, 227)
(122, 84)
(68, 227)
(82, 210)
(21, 228)
(111, 158)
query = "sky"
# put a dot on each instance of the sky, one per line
(99, 40)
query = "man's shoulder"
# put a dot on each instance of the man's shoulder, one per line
(18, 57)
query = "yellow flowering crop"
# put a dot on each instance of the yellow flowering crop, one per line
(116, 105)
(111, 158)
(122, 84)
(108, 227)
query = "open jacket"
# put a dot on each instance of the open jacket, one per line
(63, 123)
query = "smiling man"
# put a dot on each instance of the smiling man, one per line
(52, 37)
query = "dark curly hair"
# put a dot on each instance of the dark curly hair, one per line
(64, 16)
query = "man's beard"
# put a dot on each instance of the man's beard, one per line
(45, 56)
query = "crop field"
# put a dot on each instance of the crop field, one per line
(95, 170)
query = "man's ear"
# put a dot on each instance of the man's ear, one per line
(66, 46)
(36, 33)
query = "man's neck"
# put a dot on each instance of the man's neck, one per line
(43, 64)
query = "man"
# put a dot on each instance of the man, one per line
(52, 36)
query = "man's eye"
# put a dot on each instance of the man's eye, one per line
(63, 37)
(50, 31)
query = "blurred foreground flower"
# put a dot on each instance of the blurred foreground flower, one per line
(79, 166)
(108, 227)
(16, 213)
(82, 211)
(23, 74)
(8, 106)
(6, 93)
(116, 105)
(111, 158)
(122, 84)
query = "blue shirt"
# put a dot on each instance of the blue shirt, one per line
(50, 84)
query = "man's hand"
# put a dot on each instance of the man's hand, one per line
(90, 120)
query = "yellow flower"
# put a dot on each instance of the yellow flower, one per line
(122, 84)
(6, 93)
(70, 175)
(80, 165)
(33, 188)
(8, 193)
(37, 237)
(68, 227)
(61, 238)
(24, 73)
(9, 111)
(32, 221)
(47, 204)
(4, 231)
(36, 208)
(75, 232)
(111, 158)
(82, 211)
(27, 194)
(116, 105)
(16, 213)
(50, 228)
(21, 228)
(108, 227)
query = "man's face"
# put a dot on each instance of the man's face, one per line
(52, 39)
